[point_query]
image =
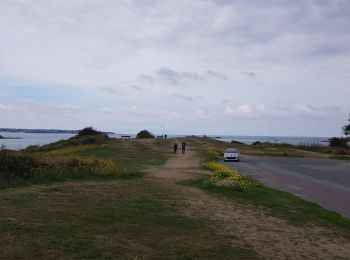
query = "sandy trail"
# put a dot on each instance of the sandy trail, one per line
(245, 225)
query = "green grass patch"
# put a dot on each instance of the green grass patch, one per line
(339, 157)
(133, 219)
(81, 158)
(281, 204)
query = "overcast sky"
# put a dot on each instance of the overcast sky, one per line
(240, 67)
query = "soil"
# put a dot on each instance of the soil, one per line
(246, 225)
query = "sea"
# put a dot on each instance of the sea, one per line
(18, 141)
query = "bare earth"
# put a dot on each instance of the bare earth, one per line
(245, 225)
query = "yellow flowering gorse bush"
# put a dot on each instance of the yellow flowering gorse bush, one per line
(224, 176)
(106, 168)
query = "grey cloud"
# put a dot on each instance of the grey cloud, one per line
(135, 87)
(108, 90)
(176, 76)
(169, 74)
(216, 75)
(250, 74)
(191, 75)
(187, 98)
(147, 78)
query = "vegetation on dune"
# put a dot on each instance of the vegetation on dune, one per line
(338, 142)
(129, 219)
(342, 142)
(295, 210)
(82, 156)
(144, 134)
(17, 167)
(346, 128)
(226, 177)
(88, 131)
(87, 136)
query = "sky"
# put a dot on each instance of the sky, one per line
(222, 67)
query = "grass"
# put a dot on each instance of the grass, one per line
(91, 157)
(105, 218)
(340, 157)
(129, 219)
(293, 209)
(281, 204)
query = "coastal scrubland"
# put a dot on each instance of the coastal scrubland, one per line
(96, 197)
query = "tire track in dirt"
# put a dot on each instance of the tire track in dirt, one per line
(270, 237)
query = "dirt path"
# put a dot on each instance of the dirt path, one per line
(270, 237)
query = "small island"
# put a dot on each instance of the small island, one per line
(4, 137)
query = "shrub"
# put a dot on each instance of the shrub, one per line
(237, 142)
(338, 142)
(14, 166)
(144, 134)
(256, 143)
(224, 176)
(88, 131)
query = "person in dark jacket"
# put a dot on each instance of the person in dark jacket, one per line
(183, 147)
(175, 147)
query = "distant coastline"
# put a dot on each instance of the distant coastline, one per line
(41, 131)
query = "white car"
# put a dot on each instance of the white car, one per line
(231, 154)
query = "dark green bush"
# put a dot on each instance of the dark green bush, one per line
(237, 142)
(14, 165)
(88, 131)
(144, 134)
(338, 142)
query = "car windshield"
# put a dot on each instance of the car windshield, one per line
(231, 150)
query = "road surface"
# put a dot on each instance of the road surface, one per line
(324, 181)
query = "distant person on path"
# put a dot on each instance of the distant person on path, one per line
(183, 147)
(175, 147)
(165, 136)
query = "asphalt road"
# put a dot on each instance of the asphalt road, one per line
(324, 181)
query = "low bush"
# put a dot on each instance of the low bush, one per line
(144, 134)
(237, 142)
(338, 142)
(224, 176)
(14, 166)
(88, 131)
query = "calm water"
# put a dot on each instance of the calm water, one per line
(26, 139)
(275, 139)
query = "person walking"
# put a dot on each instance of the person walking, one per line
(175, 147)
(183, 147)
